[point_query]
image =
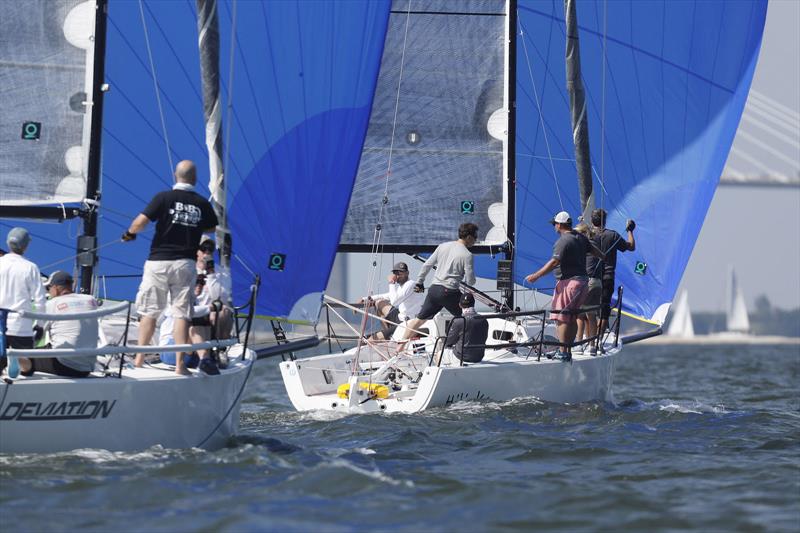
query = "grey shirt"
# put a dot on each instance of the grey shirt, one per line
(453, 262)
(570, 250)
(80, 333)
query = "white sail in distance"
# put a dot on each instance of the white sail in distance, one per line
(681, 325)
(736, 309)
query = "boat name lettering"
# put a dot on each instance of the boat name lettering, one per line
(457, 397)
(80, 410)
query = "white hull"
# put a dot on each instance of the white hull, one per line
(143, 408)
(312, 383)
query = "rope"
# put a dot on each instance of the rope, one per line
(541, 116)
(90, 250)
(155, 85)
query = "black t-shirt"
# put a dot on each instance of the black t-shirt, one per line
(570, 250)
(610, 242)
(181, 217)
(594, 267)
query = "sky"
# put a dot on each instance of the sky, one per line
(754, 229)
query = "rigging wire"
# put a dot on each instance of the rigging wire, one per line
(155, 85)
(91, 250)
(541, 115)
(603, 112)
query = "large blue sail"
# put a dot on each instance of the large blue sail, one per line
(303, 78)
(663, 109)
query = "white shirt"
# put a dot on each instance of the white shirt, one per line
(403, 297)
(21, 288)
(79, 333)
(214, 289)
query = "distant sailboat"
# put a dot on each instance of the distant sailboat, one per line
(681, 325)
(735, 310)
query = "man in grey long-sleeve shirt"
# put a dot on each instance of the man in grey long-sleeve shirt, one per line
(454, 264)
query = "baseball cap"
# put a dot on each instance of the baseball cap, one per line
(18, 238)
(561, 218)
(467, 300)
(60, 278)
(400, 266)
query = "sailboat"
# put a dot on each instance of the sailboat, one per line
(681, 325)
(478, 117)
(736, 318)
(290, 98)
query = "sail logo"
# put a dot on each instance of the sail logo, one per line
(467, 207)
(31, 131)
(277, 261)
(185, 214)
(79, 410)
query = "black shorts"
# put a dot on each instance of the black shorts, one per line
(605, 298)
(389, 329)
(51, 365)
(438, 297)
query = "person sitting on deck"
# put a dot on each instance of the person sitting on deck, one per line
(569, 266)
(212, 308)
(78, 333)
(472, 329)
(401, 303)
(454, 264)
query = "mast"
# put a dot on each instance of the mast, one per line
(511, 169)
(87, 243)
(208, 44)
(577, 105)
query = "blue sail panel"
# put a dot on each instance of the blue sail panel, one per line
(674, 83)
(304, 78)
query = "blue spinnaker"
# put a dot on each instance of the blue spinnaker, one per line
(675, 81)
(303, 78)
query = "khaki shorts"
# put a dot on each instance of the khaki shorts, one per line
(165, 281)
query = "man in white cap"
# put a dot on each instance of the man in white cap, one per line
(20, 289)
(569, 266)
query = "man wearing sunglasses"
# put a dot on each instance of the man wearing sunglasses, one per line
(397, 305)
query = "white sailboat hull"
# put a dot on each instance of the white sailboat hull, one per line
(312, 384)
(143, 408)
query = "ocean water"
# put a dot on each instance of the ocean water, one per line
(699, 437)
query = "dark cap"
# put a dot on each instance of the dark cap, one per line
(400, 266)
(59, 278)
(467, 300)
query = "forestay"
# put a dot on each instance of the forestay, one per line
(664, 103)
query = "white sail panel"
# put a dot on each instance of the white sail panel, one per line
(46, 52)
(681, 324)
(736, 312)
(442, 72)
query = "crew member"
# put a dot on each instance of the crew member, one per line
(20, 289)
(472, 330)
(454, 264)
(569, 267)
(610, 243)
(181, 216)
(401, 303)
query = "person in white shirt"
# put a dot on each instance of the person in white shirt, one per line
(399, 304)
(78, 333)
(212, 306)
(20, 289)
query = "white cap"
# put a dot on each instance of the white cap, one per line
(562, 218)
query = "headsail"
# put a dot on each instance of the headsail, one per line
(433, 157)
(46, 57)
(677, 75)
(736, 318)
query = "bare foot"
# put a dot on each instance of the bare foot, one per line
(183, 372)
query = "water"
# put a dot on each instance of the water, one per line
(704, 438)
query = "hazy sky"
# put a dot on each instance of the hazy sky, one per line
(755, 229)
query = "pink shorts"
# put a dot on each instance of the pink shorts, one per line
(569, 296)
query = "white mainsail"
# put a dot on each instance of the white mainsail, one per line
(736, 309)
(681, 325)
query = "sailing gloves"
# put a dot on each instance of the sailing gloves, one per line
(419, 287)
(631, 225)
(128, 236)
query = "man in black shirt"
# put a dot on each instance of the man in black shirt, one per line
(472, 329)
(610, 243)
(569, 267)
(181, 216)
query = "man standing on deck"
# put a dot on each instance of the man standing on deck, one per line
(181, 216)
(454, 264)
(20, 289)
(569, 266)
(610, 243)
